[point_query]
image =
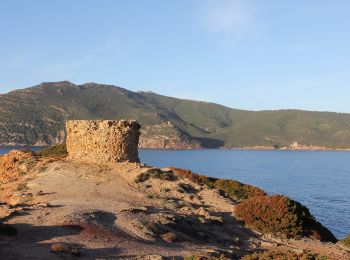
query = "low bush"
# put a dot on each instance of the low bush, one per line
(22, 186)
(346, 241)
(210, 256)
(155, 174)
(65, 249)
(234, 189)
(186, 188)
(283, 217)
(274, 255)
(237, 190)
(59, 150)
(196, 178)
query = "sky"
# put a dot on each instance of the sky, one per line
(255, 55)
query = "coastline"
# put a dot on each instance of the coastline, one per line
(311, 149)
(257, 148)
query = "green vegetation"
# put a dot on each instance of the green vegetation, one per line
(155, 174)
(22, 186)
(59, 150)
(283, 217)
(186, 188)
(36, 116)
(213, 255)
(237, 190)
(275, 255)
(233, 189)
(277, 214)
(346, 241)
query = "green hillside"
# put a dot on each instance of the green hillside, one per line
(36, 115)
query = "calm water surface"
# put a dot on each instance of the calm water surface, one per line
(320, 180)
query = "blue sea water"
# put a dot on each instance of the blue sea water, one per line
(318, 179)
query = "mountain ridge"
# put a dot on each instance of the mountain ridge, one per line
(36, 116)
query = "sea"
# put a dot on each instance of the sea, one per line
(319, 180)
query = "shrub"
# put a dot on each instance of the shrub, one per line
(28, 151)
(269, 255)
(281, 216)
(209, 256)
(234, 189)
(65, 248)
(59, 150)
(237, 190)
(196, 178)
(142, 177)
(155, 174)
(186, 188)
(22, 186)
(346, 241)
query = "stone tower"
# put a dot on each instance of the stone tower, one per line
(103, 141)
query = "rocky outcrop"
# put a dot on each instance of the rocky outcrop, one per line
(166, 136)
(103, 141)
(15, 164)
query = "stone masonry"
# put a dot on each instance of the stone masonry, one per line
(103, 141)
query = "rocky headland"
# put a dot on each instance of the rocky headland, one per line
(54, 206)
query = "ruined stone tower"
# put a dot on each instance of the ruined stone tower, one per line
(103, 141)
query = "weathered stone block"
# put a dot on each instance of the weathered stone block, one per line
(103, 141)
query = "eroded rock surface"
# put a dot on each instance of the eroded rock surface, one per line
(103, 141)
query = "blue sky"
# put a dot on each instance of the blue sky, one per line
(244, 54)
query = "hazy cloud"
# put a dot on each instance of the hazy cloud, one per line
(228, 16)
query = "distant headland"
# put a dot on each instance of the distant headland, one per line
(36, 116)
